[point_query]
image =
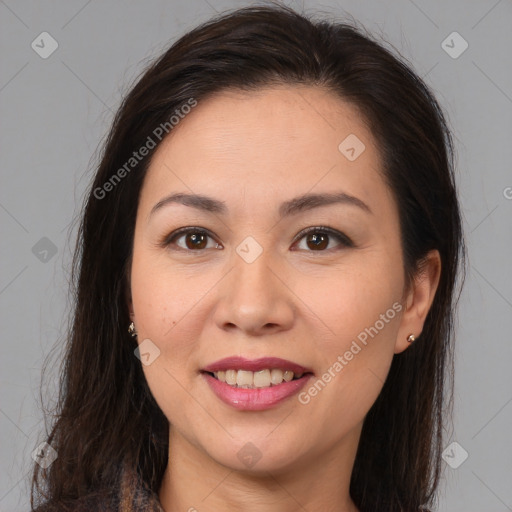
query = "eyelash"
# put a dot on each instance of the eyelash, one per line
(340, 237)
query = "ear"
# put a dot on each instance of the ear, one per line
(418, 300)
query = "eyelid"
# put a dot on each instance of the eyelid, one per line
(167, 239)
(341, 237)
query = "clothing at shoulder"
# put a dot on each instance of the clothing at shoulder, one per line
(132, 495)
(94, 503)
(144, 502)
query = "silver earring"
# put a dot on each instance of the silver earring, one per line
(132, 331)
(410, 338)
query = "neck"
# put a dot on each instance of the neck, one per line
(194, 481)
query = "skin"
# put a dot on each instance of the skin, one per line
(254, 150)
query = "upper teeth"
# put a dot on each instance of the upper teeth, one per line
(260, 379)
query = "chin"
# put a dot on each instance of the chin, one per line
(258, 456)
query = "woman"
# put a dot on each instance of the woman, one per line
(265, 277)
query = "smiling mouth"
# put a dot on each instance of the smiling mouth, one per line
(255, 380)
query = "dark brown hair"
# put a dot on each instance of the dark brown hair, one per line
(107, 420)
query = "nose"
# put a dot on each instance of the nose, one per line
(255, 298)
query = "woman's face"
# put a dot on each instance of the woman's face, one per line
(244, 282)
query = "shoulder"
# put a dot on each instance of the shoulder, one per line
(84, 504)
(131, 494)
(142, 501)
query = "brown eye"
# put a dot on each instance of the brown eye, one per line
(196, 240)
(191, 239)
(318, 239)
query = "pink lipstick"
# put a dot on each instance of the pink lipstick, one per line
(255, 385)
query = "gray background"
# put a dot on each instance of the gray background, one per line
(55, 111)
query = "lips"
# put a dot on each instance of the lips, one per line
(255, 365)
(255, 395)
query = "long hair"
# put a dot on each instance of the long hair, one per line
(107, 423)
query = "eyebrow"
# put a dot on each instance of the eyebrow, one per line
(291, 207)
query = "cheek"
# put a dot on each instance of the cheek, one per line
(349, 301)
(169, 302)
(164, 304)
(164, 299)
(358, 313)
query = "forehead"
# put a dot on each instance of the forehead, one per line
(275, 141)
